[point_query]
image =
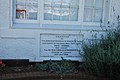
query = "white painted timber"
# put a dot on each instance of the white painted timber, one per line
(25, 41)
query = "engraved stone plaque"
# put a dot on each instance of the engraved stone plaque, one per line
(60, 45)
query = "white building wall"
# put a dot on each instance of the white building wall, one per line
(24, 43)
(115, 11)
(4, 14)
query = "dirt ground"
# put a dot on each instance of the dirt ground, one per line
(30, 72)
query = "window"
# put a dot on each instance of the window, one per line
(27, 9)
(58, 11)
(93, 10)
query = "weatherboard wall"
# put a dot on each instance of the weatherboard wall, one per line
(25, 43)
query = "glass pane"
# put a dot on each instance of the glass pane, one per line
(32, 2)
(88, 14)
(65, 18)
(47, 13)
(74, 15)
(56, 14)
(74, 6)
(74, 3)
(48, 10)
(98, 15)
(56, 3)
(65, 3)
(61, 10)
(31, 12)
(20, 9)
(65, 14)
(26, 9)
(89, 3)
(56, 9)
(47, 3)
(20, 2)
(99, 3)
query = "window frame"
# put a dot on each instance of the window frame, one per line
(23, 21)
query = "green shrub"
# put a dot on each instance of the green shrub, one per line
(102, 57)
(63, 66)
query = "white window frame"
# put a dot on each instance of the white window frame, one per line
(41, 20)
(23, 21)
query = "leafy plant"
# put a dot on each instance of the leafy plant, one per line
(102, 57)
(63, 66)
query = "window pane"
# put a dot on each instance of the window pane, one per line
(56, 13)
(65, 14)
(74, 5)
(61, 10)
(89, 3)
(48, 10)
(73, 15)
(26, 9)
(47, 13)
(98, 3)
(88, 13)
(93, 10)
(98, 15)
